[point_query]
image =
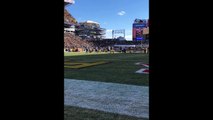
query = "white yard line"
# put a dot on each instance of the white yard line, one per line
(141, 71)
(146, 65)
(123, 99)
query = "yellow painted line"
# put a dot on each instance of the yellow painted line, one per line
(82, 65)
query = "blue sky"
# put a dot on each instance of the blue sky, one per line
(111, 14)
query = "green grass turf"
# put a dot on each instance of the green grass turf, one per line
(120, 69)
(76, 113)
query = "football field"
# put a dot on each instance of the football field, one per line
(106, 67)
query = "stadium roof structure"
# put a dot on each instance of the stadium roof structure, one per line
(141, 21)
(89, 21)
(90, 25)
(90, 29)
(67, 2)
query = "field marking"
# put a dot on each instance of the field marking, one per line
(138, 63)
(143, 71)
(77, 65)
(146, 65)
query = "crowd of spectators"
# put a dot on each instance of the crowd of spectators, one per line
(74, 43)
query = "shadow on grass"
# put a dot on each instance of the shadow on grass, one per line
(76, 113)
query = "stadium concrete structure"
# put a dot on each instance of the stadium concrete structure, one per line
(85, 30)
(89, 30)
(88, 35)
(69, 24)
(146, 35)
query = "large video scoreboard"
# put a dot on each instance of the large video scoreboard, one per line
(137, 29)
